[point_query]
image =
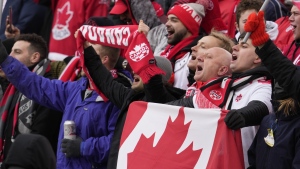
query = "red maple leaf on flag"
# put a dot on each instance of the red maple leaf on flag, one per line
(165, 154)
(64, 15)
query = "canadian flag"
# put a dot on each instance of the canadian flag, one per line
(162, 136)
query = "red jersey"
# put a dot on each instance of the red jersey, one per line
(68, 17)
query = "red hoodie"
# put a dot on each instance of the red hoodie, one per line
(285, 36)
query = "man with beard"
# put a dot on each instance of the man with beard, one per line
(182, 30)
(183, 25)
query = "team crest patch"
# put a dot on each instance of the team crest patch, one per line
(215, 95)
(139, 52)
(61, 30)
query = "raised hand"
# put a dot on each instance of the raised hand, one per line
(143, 28)
(11, 31)
(256, 25)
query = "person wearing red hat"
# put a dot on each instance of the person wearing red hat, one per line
(183, 25)
(150, 13)
(213, 17)
(121, 8)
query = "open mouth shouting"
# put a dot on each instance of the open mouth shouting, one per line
(170, 33)
(234, 57)
(199, 67)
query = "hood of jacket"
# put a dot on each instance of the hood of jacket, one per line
(31, 151)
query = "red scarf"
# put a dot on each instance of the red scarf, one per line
(71, 71)
(217, 91)
(113, 36)
(141, 59)
(7, 98)
(41, 68)
(172, 52)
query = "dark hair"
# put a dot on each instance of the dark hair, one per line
(37, 44)
(247, 5)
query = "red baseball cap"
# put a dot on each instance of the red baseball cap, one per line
(119, 8)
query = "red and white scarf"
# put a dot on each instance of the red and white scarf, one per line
(114, 36)
(172, 52)
(19, 115)
(71, 71)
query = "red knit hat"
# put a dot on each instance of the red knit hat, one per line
(190, 15)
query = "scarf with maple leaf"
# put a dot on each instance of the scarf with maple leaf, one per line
(23, 110)
(139, 54)
(141, 59)
(113, 36)
(173, 52)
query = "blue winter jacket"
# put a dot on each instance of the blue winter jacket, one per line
(95, 119)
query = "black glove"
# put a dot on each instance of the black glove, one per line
(71, 148)
(3, 53)
(235, 120)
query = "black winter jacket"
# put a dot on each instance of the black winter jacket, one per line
(286, 128)
(122, 96)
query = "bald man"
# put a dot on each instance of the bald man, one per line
(214, 39)
(216, 63)
(246, 93)
(212, 64)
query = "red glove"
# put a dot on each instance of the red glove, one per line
(256, 25)
(141, 59)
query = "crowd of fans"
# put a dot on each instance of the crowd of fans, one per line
(55, 66)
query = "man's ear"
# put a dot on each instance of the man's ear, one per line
(236, 26)
(223, 70)
(257, 60)
(35, 57)
(104, 59)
